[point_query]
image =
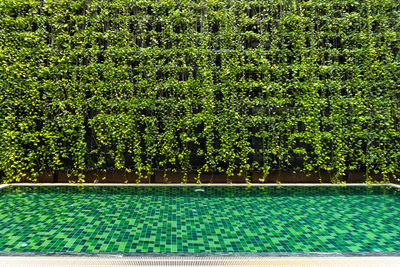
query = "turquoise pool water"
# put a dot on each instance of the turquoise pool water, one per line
(130, 219)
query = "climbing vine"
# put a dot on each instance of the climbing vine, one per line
(209, 86)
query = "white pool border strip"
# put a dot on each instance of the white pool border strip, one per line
(195, 261)
(197, 185)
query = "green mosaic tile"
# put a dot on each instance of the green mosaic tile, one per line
(180, 219)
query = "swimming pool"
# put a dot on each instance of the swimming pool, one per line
(223, 219)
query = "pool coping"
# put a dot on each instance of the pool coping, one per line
(201, 254)
(196, 261)
(204, 254)
(202, 185)
(3, 185)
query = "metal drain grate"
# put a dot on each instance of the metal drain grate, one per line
(11, 261)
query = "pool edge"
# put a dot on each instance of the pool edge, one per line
(195, 261)
(194, 185)
(201, 254)
(4, 186)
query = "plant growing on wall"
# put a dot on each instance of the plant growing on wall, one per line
(222, 86)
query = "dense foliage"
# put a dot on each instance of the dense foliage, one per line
(206, 85)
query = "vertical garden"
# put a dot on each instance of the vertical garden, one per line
(225, 86)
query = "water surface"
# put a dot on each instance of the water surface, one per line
(185, 219)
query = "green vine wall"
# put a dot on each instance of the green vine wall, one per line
(199, 85)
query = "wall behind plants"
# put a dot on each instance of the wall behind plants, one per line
(207, 85)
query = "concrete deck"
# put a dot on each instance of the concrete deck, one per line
(191, 261)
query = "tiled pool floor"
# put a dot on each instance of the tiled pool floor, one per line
(199, 219)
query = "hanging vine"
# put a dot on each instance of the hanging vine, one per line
(207, 86)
